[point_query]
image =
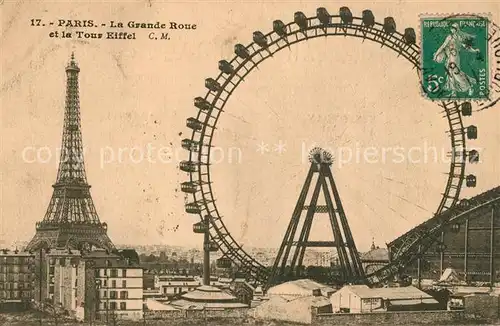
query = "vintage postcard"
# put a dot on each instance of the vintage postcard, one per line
(249, 162)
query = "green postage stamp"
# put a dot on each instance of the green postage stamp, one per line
(455, 57)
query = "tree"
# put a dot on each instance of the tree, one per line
(145, 311)
(56, 311)
(320, 274)
(114, 318)
(151, 259)
(163, 257)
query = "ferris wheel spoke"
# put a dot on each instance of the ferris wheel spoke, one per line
(374, 195)
(375, 214)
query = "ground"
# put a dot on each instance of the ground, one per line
(32, 318)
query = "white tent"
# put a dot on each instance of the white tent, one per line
(450, 276)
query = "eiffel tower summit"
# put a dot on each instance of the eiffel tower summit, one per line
(71, 220)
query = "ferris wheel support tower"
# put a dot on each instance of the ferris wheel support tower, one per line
(342, 240)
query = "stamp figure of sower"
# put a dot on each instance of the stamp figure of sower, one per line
(449, 53)
(455, 62)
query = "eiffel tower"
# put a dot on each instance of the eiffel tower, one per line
(71, 220)
(350, 268)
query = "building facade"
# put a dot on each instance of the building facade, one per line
(171, 285)
(16, 279)
(362, 299)
(374, 259)
(119, 288)
(95, 285)
(65, 275)
(471, 245)
(471, 248)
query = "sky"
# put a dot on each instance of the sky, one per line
(337, 93)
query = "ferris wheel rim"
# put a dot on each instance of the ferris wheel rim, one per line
(218, 230)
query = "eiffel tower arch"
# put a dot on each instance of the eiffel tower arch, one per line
(289, 261)
(71, 220)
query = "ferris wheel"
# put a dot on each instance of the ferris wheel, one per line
(264, 46)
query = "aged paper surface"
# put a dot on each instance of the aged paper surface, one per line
(142, 64)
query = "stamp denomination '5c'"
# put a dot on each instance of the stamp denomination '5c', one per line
(455, 58)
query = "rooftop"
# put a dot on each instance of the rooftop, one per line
(394, 293)
(307, 284)
(176, 278)
(377, 254)
(469, 290)
(120, 263)
(14, 253)
(100, 258)
(158, 306)
(64, 252)
(315, 301)
(185, 304)
(100, 253)
(302, 287)
(206, 293)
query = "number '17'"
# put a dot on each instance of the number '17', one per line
(36, 22)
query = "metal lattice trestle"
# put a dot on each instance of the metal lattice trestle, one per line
(71, 218)
(418, 241)
(343, 242)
